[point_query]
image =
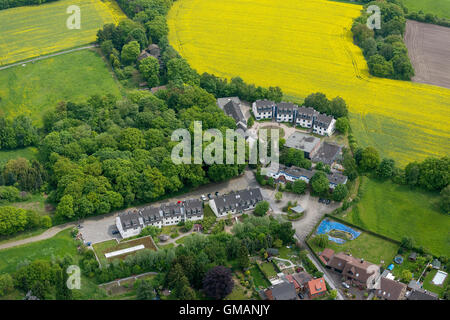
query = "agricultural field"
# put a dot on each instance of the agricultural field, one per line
(306, 47)
(441, 8)
(429, 51)
(32, 31)
(397, 211)
(39, 86)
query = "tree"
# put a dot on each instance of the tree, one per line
(131, 139)
(299, 186)
(444, 200)
(157, 28)
(130, 52)
(179, 71)
(6, 284)
(342, 125)
(242, 257)
(149, 68)
(144, 290)
(333, 294)
(261, 208)
(386, 168)
(278, 196)
(12, 220)
(340, 192)
(407, 243)
(319, 182)
(338, 107)
(406, 276)
(188, 225)
(378, 66)
(370, 159)
(218, 282)
(318, 101)
(321, 240)
(65, 207)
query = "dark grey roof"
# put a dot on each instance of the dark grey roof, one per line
(171, 210)
(129, 219)
(298, 172)
(286, 108)
(306, 113)
(221, 102)
(233, 110)
(150, 215)
(264, 105)
(240, 200)
(327, 153)
(421, 294)
(337, 178)
(390, 289)
(193, 207)
(302, 278)
(323, 121)
(284, 291)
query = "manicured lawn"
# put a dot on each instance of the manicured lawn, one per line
(366, 246)
(428, 285)
(397, 211)
(37, 87)
(269, 269)
(32, 31)
(111, 245)
(58, 246)
(259, 279)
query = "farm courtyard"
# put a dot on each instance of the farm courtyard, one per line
(31, 31)
(403, 120)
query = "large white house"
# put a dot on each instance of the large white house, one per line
(286, 112)
(130, 223)
(324, 125)
(263, 109)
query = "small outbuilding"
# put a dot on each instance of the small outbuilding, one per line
(436, 264)
(298, 209)
(412, 256)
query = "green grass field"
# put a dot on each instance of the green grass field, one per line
(58, 246)
(29, 153)
(258, 277)
(397, 211)
(428, 285)
(441, 8)
(31, 31)
(366, 246)
(40, 86)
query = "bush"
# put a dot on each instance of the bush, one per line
(261, 208)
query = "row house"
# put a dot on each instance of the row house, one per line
(288, 112)
(235, 202)
(130, 223)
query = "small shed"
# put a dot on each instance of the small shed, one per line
(413, 256)
(272, 252)
(436, 264)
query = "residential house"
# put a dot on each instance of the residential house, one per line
(284, 290)
(302, 279)
(305, 117)
(316, 288)
(390, 289)
(286, 112)
(324, 125)
(263, 109)
(130, 223)
(326, 255)
(235, 202)
(356, 271)
(328, 153)
(290, 278)
(421, 294)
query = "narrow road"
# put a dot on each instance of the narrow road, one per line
(327, 278)
(48, 56)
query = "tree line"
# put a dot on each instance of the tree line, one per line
(384, 49)
(6, 4)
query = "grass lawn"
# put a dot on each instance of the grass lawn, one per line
(29, 153)
(38, 30)
(57, 246)
(313, 50)
(397, 211)
(366, 246)
(269, 269)
(111, 245)
(35, 203)
(441, 8)
(33, 89)
(416, 267)
(207, 211)
(259, 279)
(428, 285)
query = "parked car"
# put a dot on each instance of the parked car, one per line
(321, 200)
(301, 296)
(217, 193)
(209, 196)
(115, 231)
(203, 197)
(345, 285)
(327, 201)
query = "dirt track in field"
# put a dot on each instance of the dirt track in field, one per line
(429, 51)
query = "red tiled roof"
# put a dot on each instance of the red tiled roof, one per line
(317, 286)
(327, 254)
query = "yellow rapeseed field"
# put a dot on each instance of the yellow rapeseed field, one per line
(305, 46)
(31, 31)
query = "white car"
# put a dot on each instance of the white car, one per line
(345, 285)
(203, 197)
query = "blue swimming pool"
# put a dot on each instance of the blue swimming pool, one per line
(327, 225)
